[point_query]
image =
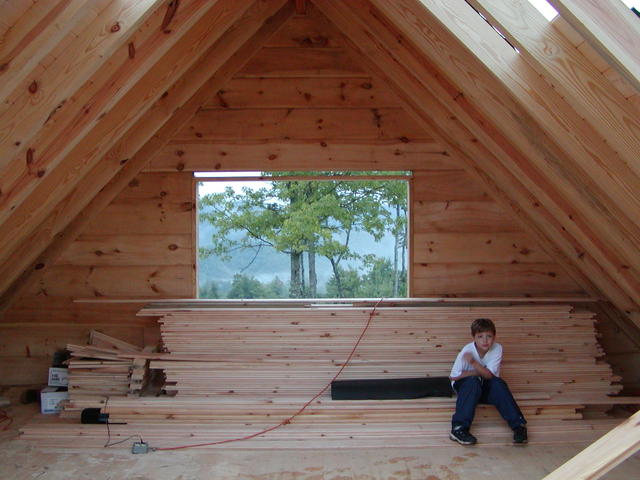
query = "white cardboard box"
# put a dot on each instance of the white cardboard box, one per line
(51, 398)
(58, 377)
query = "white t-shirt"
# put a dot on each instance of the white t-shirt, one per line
(491, 360)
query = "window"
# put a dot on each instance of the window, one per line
(303, 235)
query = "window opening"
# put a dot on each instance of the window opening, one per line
(302, 235)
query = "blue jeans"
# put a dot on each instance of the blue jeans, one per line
(494, 391)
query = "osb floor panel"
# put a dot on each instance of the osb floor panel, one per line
(19, 460)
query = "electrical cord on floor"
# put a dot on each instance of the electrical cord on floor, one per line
(4, 417)
(108, 442)
(289, 419)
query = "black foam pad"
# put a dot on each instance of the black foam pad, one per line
(391, 388)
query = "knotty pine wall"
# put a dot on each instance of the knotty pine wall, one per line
(141, 246)
(303, 103)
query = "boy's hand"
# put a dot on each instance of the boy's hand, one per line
(468, 357)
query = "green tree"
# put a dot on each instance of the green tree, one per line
(304, 217)
(245, 286)
(209, 290)
(275, 289)
(349, 286)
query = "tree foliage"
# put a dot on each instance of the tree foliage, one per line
(305, 219)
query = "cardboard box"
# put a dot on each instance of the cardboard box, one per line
(51, 399)
(58, 377)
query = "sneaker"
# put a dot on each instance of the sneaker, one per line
(462, 436)
(520, 434)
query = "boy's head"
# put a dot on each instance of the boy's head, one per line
(484, 333)
(480, 325)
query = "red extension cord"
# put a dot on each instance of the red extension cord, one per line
(287, 420)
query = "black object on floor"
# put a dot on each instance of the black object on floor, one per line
(93, 415)
(391, 388)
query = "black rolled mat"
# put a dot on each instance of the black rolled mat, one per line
(391, 388)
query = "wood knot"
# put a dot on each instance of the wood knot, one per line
(33, 88)
(115, 27)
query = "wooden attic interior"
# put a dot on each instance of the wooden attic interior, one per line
(524, 149)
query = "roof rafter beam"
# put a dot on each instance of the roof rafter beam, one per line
(488, 154)
(147, 137)
(610, 28)
(565, 159)
(494, 85)
(88, 107)
(105, 133)
(575, 78)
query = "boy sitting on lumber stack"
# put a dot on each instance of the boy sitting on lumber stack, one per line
(475, 377)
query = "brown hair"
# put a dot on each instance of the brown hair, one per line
(480, 325)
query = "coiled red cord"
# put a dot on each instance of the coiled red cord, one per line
(289, 419)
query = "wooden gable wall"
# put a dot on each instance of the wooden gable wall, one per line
(302, 103)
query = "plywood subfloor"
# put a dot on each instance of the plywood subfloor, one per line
(18, 461)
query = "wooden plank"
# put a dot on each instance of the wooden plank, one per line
(309, 30)
(448, 185)
(144, 217)
(487, 247)
(64, 311)
(28, 39)
(166, 187)
(304, 93)
(169, 112)
(301, 124)
(25, 371)
(121, 250)
(604, 454)
(41, 340)
(611, 28)
(301, 62)
(461, 217)
(66, 68)
(287, 155)
(141, 281)
(491, 278)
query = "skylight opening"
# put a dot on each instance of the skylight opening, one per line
(545, 9)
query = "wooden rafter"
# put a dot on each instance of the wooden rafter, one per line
(610, 28)
(413, 79)
(87, 143)
(542, 164)
(100, 139)
(144, 139)
(576, 79)
(604, 454)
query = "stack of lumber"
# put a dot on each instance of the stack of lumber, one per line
(238, 371)
(97, 372)
(295, 352)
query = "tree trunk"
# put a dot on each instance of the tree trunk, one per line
(295, 290)
(313, 276)
(396, 241)
(303, 287)
(336, 273)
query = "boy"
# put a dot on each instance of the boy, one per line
(475, 377)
